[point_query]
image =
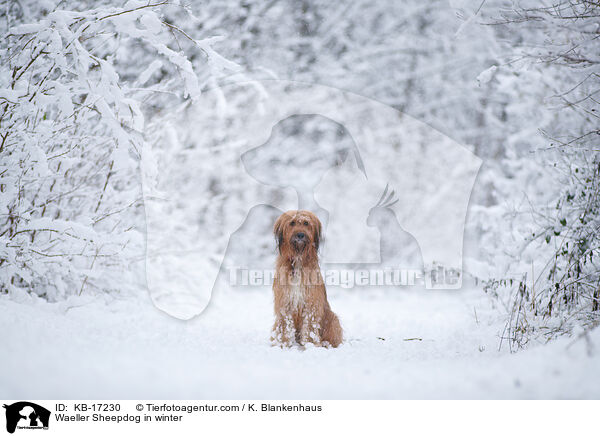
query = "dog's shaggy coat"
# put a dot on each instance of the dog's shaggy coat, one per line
(302, 312)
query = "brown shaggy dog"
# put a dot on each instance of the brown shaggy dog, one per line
(302, 313)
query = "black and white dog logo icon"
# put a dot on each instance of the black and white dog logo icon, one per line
(26, 415)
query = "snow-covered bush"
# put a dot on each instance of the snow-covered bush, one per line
(79, 90)
(553, 282)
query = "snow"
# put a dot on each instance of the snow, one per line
(398, 344)
(87, 91)
(487, 75)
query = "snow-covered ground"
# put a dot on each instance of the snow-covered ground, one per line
(126, 348)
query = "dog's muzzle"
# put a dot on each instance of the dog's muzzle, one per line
(299, 241)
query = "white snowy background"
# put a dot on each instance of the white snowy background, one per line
(128, 181)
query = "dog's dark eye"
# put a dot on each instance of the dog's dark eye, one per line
(293, 223)
(305, 223)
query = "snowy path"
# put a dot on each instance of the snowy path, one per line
(129, 349)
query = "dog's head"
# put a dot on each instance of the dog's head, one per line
(297, 232)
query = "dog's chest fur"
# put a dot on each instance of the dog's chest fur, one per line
(296, 290)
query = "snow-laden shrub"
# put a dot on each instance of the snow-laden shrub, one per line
(78, 90)
(552, 285)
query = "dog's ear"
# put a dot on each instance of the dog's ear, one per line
(317, 235)
(278, 232)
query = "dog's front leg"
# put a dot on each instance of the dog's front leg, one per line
(284, 332)
(310, 330)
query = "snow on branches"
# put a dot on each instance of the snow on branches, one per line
(77, 91)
